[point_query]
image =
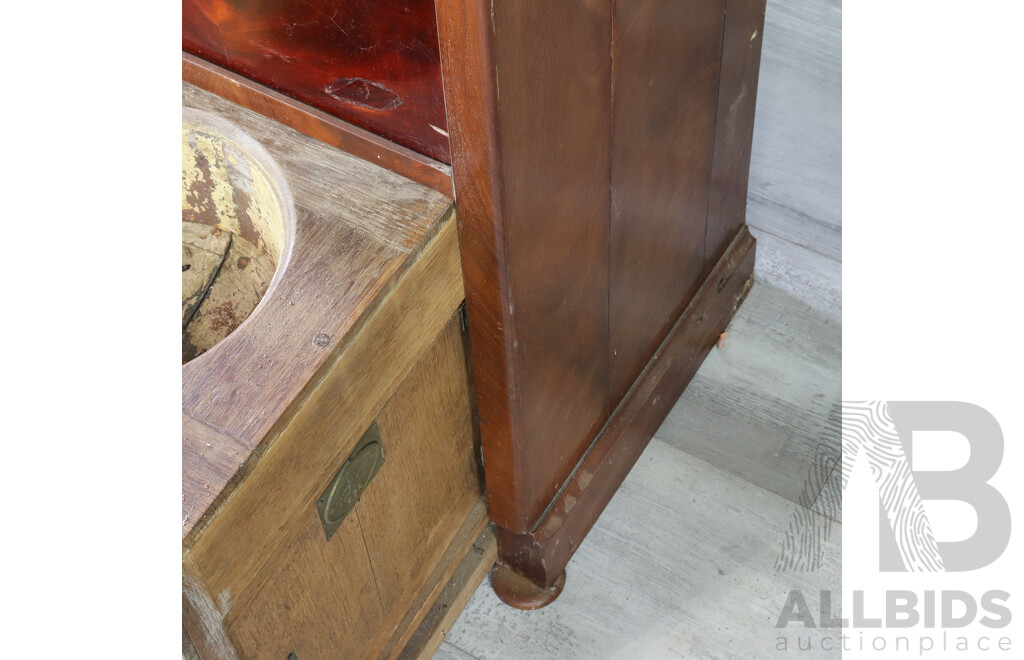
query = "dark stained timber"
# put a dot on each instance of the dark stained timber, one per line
(374, 63)
(316, 123)
(599, 157)
(542, 554)
(734, 131)
(528, 89)
(667, 55)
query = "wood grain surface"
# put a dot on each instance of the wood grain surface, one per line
(386, 564)
(390, 559)
(734, 127)
(370, 62)
(470, 572)
(316, 123)
(422, 511)
(542, 554)
(460, 552)
(320, 601)
(357, 226)
(528, 101)
(667, 68)
(188, 649)
(201, 621)
(430, 474)
(305, 454)
(584, 140)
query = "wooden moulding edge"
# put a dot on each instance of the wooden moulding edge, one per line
(316, 123)
(542, 554)
(463, 579)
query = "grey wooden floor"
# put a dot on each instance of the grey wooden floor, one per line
(688, 560)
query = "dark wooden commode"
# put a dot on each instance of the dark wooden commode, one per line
(600, 152)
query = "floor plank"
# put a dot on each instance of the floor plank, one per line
(830, 500)
(796, 158)
(449, 652)
(809, 277)
(681, 564)
(759, 406)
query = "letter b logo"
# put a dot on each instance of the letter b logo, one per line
(967, 484)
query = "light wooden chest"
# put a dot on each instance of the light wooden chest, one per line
(358, 348)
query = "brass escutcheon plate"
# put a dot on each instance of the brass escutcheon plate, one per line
(348, 485)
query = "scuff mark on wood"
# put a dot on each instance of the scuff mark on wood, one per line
(364, 93)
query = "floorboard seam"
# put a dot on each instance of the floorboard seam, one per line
(742, 478)
(445, 641)
(802, 247)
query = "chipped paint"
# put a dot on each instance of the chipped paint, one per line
(241, 278)
(229, 183)
(226, 182)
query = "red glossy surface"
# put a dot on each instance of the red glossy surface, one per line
(374, 63)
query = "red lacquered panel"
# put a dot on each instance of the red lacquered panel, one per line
(374, 63)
